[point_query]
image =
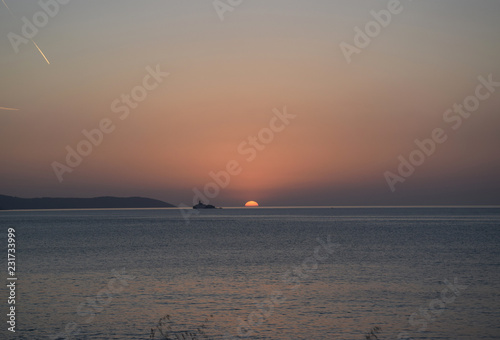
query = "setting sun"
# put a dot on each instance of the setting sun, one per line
(251, 204)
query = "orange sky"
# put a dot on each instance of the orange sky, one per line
(226, 77)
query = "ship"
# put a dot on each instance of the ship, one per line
(201, 205)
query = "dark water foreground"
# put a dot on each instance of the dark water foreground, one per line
(306, 273)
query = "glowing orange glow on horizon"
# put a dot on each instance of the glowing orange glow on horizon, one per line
(251, 204)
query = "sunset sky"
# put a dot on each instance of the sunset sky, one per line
(351, 120)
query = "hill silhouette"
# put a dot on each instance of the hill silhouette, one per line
(15, 203)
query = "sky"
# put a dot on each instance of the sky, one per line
(283, 102)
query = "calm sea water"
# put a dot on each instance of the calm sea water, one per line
(276, 273)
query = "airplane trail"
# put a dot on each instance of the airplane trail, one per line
(40, 51)
(8, 8)
(8, 108)
(30, 39)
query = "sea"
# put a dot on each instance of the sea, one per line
(252, 273)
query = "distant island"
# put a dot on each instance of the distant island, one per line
(106, 202)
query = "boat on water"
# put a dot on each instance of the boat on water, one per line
(201, 205)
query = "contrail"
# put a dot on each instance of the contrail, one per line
(40, 51)
(8, 108)
(8, 8)
(34, 43)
